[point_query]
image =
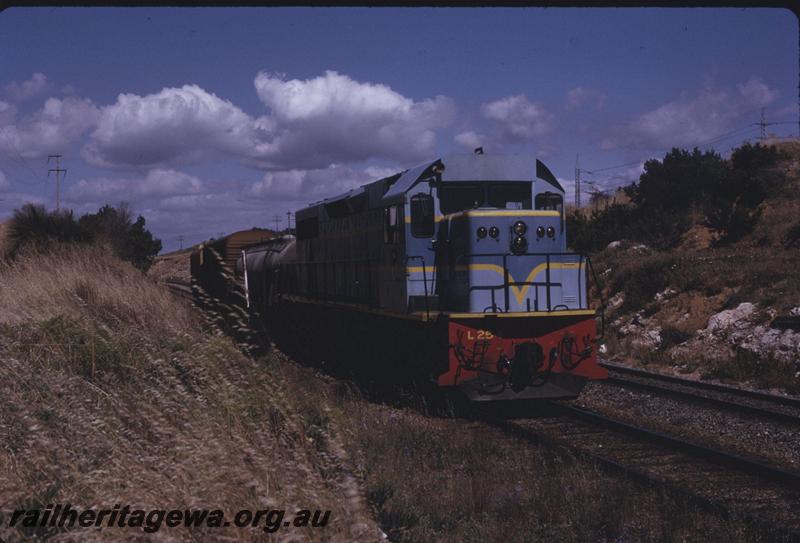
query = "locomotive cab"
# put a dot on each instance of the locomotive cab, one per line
(520, 324)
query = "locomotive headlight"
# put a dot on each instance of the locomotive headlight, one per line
(481, 232)
(540, 231)
(551, 232)
(519, 245)
(494, 232)
(520, 228)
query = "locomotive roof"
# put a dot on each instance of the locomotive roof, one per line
(461, 167)
(477, 167)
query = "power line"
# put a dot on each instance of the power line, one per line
(714, 139)
(24, 162)
(613, 167)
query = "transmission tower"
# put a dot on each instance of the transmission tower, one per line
(180, 239)
(763, 126)
(58, 171)
(577, 184)
(277, 219)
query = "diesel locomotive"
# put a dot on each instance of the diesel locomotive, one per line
(456, 269)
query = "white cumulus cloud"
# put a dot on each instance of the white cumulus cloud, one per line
(156, 184)
(470, 139)
(172, 126)
(333, 118)
(518, 119)
(309, 124)
(692, 120)
(22, 91)
(307, 185)
(53, 128)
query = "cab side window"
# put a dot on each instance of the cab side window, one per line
(423, 222)
(549, 201)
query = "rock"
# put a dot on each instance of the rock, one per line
(640, 248)
(648, 338)
(736, 330)
(795, 311)
(616, 300)
(731, 319)
(614, 245)
(665, 294)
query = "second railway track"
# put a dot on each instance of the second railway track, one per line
(769, 406)
(765, 495)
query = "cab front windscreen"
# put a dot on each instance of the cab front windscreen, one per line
(455, 197)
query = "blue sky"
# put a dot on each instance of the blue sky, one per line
(209, 120)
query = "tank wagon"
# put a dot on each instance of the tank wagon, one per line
(212, 263)
(456, 268)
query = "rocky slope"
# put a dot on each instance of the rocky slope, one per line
(710, 311)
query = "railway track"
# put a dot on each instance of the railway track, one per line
(766, 496)
(180, 289)
(769, 406)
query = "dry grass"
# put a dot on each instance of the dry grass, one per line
(755, 274)
(438, 478)
(113, 393)
(3, 234)
(172, 267)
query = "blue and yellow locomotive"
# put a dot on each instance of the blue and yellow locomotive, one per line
(457, 268)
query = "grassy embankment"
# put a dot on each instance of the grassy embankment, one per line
(116, 392)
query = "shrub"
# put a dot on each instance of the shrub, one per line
(130, 239)
(641, 278)
(672, 190)
(792, 237)
(33, 225)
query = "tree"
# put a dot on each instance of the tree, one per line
(672, 191)
(131, 240)
(731, 204)
(34, 225)
(679, 181)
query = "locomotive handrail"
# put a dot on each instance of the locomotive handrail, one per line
(548, 283)
(424, 282)
(602, 301)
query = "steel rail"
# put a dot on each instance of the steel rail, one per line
(676, 491)
(742, 392)
(782, 476)
(180, 289)
(693, 396)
